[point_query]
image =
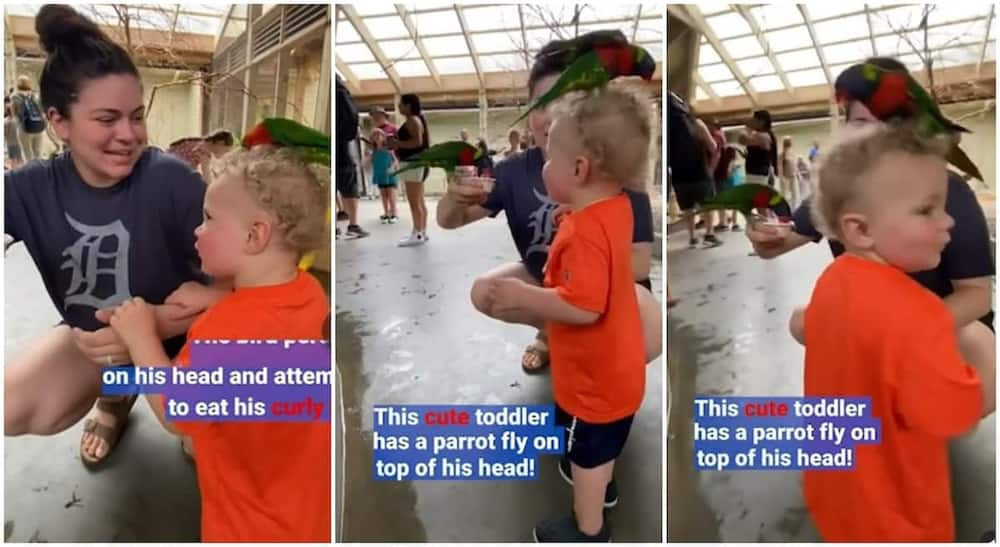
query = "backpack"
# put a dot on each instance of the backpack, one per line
(685, 153)
(32, 120)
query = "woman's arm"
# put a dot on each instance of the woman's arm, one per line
(642, 257)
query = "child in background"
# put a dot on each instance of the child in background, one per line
(259, 481)
(873, 331)
(599, 142)
(11, 130)
(383, 163)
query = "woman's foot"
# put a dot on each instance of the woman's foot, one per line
(103, 429)
(412, 240)
(536, 357)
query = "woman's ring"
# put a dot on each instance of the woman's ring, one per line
(107, 360)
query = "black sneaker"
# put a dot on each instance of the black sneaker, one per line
(735, 228)
(565, 530)
(712, 241)
(610, 493)
(342, 215)
(356, 231)
(693, 243)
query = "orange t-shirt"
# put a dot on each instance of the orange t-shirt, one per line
(872, 331)
(598, 370)
(263, 482)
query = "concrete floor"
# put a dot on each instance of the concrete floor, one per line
(728, 336)
(147, 492)
(406, 333)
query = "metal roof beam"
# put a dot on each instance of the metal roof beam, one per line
(366, 36)
(415, 36)
(752, 21)
(706, 30)
(472, 47)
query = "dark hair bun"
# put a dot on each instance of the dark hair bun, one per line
(59, 25)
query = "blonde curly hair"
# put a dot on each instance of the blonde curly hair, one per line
(617, 127)
(844, 167)
(292, 191)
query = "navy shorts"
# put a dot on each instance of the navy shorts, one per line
(590, 445)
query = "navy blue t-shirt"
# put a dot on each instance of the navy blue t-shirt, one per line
(96, 247)
(520, 193)
(969, 254)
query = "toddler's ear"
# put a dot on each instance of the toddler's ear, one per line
(258, 236)
(855, 230)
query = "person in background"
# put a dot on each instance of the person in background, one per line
(762, 149)
(382, 164)
(413, 138)
(484, 165)
(11, 128)
(514, 143)
(346, 170)
(28, 112)
(380, 119)
(463, 135)
(788, 173)
(814, 153)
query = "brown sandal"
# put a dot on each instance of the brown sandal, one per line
(538, 349)
(119, 407)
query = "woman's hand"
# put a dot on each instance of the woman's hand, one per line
(195, 297)
(103, 347)
(465, 194)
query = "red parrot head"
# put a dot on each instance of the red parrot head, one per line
(625, 60)
(257, 136)
(467, 156)
(762, 199)
(891, 97)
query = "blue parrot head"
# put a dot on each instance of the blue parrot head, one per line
(857, 82)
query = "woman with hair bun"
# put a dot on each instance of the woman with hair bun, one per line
(106, 220)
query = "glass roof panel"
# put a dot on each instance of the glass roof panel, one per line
(491, 17)
(437, 22)
(368, 71)
(411, 68)
(730, 88)
(796, 60)
(767, 83)
(707, 55)
(456, 65)
(801, 78)
(446, 45)
(389, 26)
(497, 41)
(715, 73)
(756, 66)
(508, 62)
(775, 16)
(728, 25)
(839, 30)
(741, 48)
(792, 38)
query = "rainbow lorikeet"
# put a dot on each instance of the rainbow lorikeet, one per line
(745, 198)
(891, 93)
(446, 155)
(595, 69)
(312, 144)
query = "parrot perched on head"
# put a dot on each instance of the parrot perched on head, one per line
(890, 93)
(745, 198)
(446, 155)
(312, 144)
(595, 69)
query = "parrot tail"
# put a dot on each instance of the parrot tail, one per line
(958, 158)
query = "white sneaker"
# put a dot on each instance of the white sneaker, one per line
(412, 240)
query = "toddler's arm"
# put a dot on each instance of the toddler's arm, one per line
(515, 296)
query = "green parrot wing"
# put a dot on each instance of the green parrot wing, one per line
(445, 155)
(958, 158)
(585, 73)
(931, 121)
(744, 198)
(314, 155)
(292, 133)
